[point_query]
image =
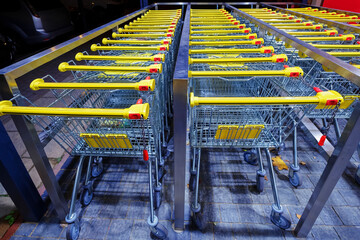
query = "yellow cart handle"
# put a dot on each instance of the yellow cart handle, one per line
(150, 35)
(275, 58)
(154, 68)
(143, 85)
(146, 30)
(143, 42)
(166, 22)
(156, 58)
(244, 30)
(136, 111)
(336, 46)
(164, 47)
(269, 49)
(257, 41)
(151, 27)
(348, 37)
(241, 26)
(297, 20)
(328, 99)
(216, 37)
(287, 72)
(217, 23)
(326, 32)
(313, 27)
(292, 24)
(335, 54)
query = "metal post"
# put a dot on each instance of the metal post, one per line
(17, 182)
(335, 167)
(180, 85)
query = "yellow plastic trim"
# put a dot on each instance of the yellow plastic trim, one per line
(164, 47)
(216, 37)
(225, 43)
(327, 33)
(156, 57)
(127, 27)
(320, 99)
(274, 58)
(313, 27)
(145, 30)
(287, 72)
(292, 24)
(143, 85)
(348, 37)
(226, 132)
(218, 27)
(244, 30)
(154, 35)
(64, 66)
(336, 46)
(144, 42)
(96, 140)
(7, 108)
(269, 49)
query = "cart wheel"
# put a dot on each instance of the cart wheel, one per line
(97, 169)
(87, 195)
(73, 231)
(158, 232)
(157, 199)
(198, 220)
(192, 182)
(295, 180)
(260, 183)
(357, 175)
(280, 222)
(250, 157)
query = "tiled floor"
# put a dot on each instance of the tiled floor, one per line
(231, 204)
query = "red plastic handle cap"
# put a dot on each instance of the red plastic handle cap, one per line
(294, 74)
(308, 24)
(166, 42)
(331, 102)
(298, 21)
(267, 51)
(332, 34)
(154, 70)
(236, 23)
(143, 88)
(145, 155)
(169, 35)
(280, 60)
(348, 38)
(148, 78)
(157, 59)
(322, 140)
(316, 89)
(241, 26)
(291, 18)
(286, 66)
(257, 42)
(139, 101)
(134, 116)
(251, 37)
(246, 31)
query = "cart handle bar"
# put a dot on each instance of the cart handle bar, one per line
(280, 58)
(156, 58)
(154, 68)
(137, 42)
(143, 85)
(136, 111)
(287, 72)
(269, 49)
(257, 41)
(328, 99)
(164, 47)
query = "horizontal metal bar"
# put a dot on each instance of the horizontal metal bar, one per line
(343, 69)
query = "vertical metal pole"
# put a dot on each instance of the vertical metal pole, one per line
(180, 85)
(36, 151)
(17, 182)
(335, 167)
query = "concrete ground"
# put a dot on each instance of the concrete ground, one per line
(231, 205)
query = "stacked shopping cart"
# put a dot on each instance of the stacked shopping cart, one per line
(116, 105)
(234, 98)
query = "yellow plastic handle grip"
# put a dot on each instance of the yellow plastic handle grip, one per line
(143, 85)
(244, 30)
(136, 111)
(336, 46)
(146, 30)
(161, 27)
(216, 37)
(257, 41)
(157, 57)
(150, 35)
(154, 68)
(287, 72)
(135, 42)
(327, 33)
(164, 47)
(280, 58)
(327, 99)
(233, 50)
(348, 37)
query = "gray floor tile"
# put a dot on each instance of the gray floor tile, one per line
(229, 213)
(240, 231)
(207, 234)
(223, 231)
(348, 215)
(136, 210)
(240, 195)
(322, 232)
(94, 228)
(329, 217)
(346, 232)
(50, 228)
(120, 228)
(265, 231)
(25, 229)
(140, 230)
(252, 214)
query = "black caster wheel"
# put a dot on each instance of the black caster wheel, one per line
(250, 157)
(97, 169)
(260, 180)
(192, 182)
(199, 221)
(159, 232)
(157, 199)
(73, 231)
(278, 219)
(87, 195)
(295, 180)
